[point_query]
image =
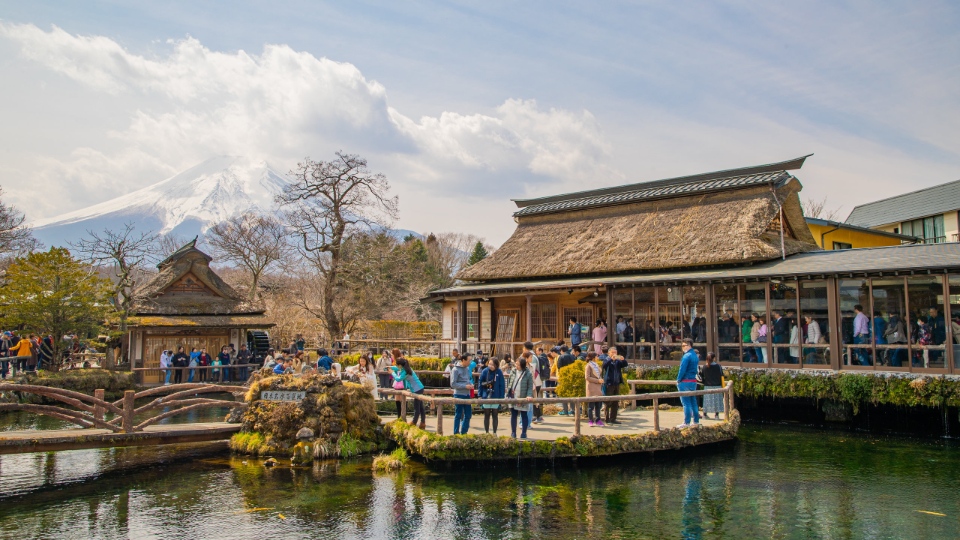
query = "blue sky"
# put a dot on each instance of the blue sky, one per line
(465, 106)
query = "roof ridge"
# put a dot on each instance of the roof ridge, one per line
(914, 192)
(788, 165)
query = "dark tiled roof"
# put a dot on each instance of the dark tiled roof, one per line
(916, 204)
(922, 257)
(774, 173)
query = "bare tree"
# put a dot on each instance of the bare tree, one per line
(328, 202)
(253, 242)
(168, 244)
(15, 237)
(126, 252)
(818, 209)
(447, 254)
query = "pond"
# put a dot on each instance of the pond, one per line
(776, 481)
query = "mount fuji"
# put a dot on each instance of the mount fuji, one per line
(185, 205)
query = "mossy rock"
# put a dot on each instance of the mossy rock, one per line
(342, 415)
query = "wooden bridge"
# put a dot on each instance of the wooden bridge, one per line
(97, 431)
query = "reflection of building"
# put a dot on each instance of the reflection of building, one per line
(830, 234)
(187, 304)
(702, 257)
(930, 214)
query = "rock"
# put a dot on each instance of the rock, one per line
(270, 462)
(305, 434)
(235, 416)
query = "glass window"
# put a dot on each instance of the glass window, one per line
(955, 323)
(543, 322)
(645, 329)
(783, 332)
(671, 321)
(728, 322)
(753, 305)
(855, 322)
(930, 229)
(473, 320)
(889, 327)
(622, 312)
(929, 331)
(695, 317)
(814, 322)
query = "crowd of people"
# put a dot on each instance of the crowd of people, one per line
(31, 352)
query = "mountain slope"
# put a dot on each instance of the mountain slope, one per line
(185, 204)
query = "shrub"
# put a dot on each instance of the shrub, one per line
(391, 462)
(86, 381)
(571, 381)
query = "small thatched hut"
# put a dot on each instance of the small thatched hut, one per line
(696, 257)
(187, 304)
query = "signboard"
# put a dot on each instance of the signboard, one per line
(274, 395)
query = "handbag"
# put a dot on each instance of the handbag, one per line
(398, 385)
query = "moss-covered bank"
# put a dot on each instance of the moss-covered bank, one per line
(334, 419)
(492, 447)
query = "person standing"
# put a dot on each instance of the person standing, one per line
(22, 350)
(599, 336)
(461, 382)
(575, 332)
(711, 375)
(203, 360)
(521, 387)
(244, 356)
(781, 336)
(194, 362)
(180, 362)
(938, 333)
(492, 386)
(761, 339)
(594, 382)
(746, 335)
(895, 334)
(533, 363)
(613, 365)
(687, 382)
(383, 368)
(861, 334)
(813, 337)
(224, 358)
(629, 336)
(5, 354)
(165, 364)
(404, 374)
(45, 353)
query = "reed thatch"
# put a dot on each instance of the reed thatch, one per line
(215, 298)
(728, 227)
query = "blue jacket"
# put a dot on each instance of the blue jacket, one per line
(576, 334)
(278, 369)
(499, 388)
(325, 362)
(688, 366)
(410, 382)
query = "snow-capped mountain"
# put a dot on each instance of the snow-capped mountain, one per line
(186, 204)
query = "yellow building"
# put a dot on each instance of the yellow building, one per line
(838, 235)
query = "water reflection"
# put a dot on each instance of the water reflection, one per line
(775, 483)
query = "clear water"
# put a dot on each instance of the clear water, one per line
(776, 482)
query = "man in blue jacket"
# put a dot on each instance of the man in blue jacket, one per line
(687, 382)
(324, 361)
(613, 363)
(461, 380)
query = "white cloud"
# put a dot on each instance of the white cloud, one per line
(185, 103)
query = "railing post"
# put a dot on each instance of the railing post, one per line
(439, 405)
(98, 410)
(403, 407)
(727, 402)
(656, 414)
(129, 406)
(576, 419)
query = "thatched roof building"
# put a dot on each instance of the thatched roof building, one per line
(725, 217)
(187, 304)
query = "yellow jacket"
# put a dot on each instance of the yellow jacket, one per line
(24, 347)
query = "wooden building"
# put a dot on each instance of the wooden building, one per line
(697, 257)
(187, 304)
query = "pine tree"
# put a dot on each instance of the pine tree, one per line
(479, 254)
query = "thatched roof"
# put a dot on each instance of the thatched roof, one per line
(731, 225)
(186, 285)
(196, 321)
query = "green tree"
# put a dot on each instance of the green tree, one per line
(53, 293)
(479, 254)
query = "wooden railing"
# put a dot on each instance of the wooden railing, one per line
(89, 411)
(439, 402)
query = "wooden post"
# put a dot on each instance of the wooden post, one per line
(439, 405)
(128, 407)
(633, 402)
(98, 410)
(576, 419)
(656, 414)
(727, 402)
(403, 407)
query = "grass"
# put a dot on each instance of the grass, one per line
(391, 462)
